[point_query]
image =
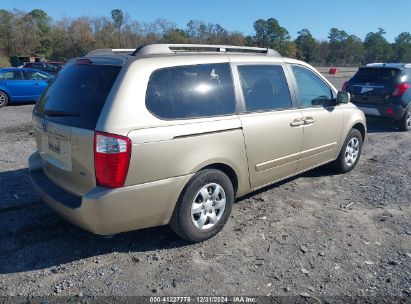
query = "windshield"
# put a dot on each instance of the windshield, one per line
(77, 95)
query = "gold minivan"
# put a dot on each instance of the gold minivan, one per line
(173, 134)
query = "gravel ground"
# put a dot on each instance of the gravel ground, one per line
(313, 236)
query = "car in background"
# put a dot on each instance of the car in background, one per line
(383, 90)
(56, 64)
(43, 66)
(19, 85)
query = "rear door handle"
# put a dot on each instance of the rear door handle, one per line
(297, 122)
(308, 120)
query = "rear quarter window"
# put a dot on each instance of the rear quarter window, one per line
(408, 73)
(191, 91)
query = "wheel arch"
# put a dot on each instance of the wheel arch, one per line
(5, 92)
(355, 121)
(360, 127)
(227, 170)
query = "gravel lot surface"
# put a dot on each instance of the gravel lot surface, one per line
(312, 236)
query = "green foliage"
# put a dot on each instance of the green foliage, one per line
(353, 50)
(118, 18)
(35, 33)
(377, 48)
(306, 45)
(344, 49)
(43, 22)
(337, 40)
(402, 47)
(269, 33)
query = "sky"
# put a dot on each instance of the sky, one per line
(356, 17)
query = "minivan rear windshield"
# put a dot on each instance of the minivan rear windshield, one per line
(76, 96)
(378, 75)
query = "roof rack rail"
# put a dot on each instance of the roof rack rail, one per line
(374, 64)
(159, 48)
(110, 51)
(389, 65)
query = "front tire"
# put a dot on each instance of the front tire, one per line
(405, 122)
(204, 206)
(350, 152)
(4, 99)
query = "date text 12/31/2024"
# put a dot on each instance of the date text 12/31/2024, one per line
(203, 299)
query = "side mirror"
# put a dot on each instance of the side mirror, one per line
(343, 97)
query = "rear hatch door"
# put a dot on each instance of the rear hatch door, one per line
(373, 85)
(65, 119)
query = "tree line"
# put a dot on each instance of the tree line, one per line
(35, 33)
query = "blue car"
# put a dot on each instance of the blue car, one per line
(20, 85)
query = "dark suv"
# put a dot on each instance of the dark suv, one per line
(383, 90)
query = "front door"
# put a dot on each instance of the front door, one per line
(323, 119)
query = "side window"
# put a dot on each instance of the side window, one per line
(36, 76)
(13, 75)
(264, 87)
(191, 91)
(311, 90)
(409, 75)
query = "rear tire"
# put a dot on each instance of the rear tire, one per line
(4, 99)
(350, 152)
(204, 206)
(405, 122)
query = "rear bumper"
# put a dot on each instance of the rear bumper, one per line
(109, 211)
(382, 110)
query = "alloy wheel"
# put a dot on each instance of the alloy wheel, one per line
(351, 151)
(2, 99)
(408, 119)
(208, 206)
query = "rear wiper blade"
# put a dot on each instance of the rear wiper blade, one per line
(60, 113)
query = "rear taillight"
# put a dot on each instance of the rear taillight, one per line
(344, 86)
(400, 89)
(390, 111)
(111, 159)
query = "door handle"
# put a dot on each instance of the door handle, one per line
(297, 122)
(308, 120)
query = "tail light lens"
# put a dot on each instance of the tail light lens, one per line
(344, 86)
(390, 111)
(111, 159)
(400, 89)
